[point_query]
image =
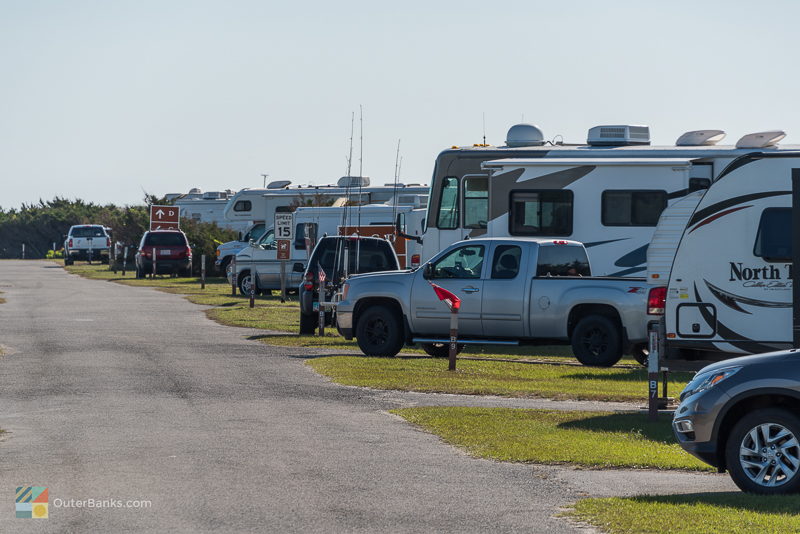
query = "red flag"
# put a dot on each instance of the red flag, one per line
(449, 298)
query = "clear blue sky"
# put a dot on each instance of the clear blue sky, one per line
(103, 99)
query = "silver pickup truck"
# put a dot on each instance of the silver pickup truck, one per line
(512, 291)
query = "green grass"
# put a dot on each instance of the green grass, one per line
(700, 513)
(492, 378)
(588, 439)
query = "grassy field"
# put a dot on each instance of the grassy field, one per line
(589, 439)
(701, 513)
(491, 378)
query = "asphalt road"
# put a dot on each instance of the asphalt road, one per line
(115, 393)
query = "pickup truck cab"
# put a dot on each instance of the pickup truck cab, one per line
(512, 291)
(226, 251)
(86, 242)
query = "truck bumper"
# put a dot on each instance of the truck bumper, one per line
(344, 322)
(81, 254)
(166, 266)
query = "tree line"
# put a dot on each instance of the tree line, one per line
(41, 225)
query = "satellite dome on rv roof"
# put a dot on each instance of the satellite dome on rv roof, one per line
(524, 135)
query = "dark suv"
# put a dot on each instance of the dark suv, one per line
(364, 255)
(743, 415)
(171, 250)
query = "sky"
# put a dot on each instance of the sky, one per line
(105, 100)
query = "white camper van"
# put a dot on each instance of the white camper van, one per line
(723, 260)
(607, 193)
(261, 257)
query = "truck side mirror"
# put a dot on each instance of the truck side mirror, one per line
(400, 227)
(427, 271)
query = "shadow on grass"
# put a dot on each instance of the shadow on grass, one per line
(625, 423)
(633, 375)
(773, 504)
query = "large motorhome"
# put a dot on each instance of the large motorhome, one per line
(607, 193)
(724, 260)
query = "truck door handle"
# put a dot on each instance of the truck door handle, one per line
(470, 289)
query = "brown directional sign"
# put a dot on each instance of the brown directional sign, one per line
(284, 249)
(164, 217)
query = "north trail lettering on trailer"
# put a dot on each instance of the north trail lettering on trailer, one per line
(767, 272)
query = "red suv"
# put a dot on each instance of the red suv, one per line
(171, 252)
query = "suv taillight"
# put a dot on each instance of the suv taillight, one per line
(656, 300)
(188, 252)
(308, 285)
(108, 242)
(70, 242)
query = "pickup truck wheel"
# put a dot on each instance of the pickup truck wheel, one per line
(596, 341)
(379, 332)
(762, 451)
(244, 283)
(440, 350)
(308, 323)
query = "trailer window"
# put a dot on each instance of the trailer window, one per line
(476, 201)
(448, 204)
(632, 208)
(300, 234)
(562, 260)
(774, 237)
(545, 212)
(243, 205)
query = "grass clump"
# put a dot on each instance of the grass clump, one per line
(699, 513)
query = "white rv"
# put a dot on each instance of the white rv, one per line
(607, 193)
(258, 206)
(723, 259)
(261, 256)
(208, 206)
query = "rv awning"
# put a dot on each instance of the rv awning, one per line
(575, 162)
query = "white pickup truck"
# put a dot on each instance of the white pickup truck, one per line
(86, 242)
(512, 291)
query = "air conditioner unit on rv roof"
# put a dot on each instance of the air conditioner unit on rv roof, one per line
(619, 135)
(353, 181)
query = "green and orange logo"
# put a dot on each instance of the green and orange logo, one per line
(31, 502)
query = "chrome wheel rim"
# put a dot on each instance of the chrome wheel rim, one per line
(246, 281)
(770, 455)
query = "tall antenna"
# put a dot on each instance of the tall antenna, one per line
(484, 128)
(396, 178)
(360, 159)
(265, 179)
(350, 157)
(346, 213)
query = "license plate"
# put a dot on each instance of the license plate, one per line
(165, 251)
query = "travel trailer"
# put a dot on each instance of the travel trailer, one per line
(259, 205)
(206, 206)
(607, 193)
(724, 259)
(261, 257)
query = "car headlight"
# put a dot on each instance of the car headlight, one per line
(708, 380)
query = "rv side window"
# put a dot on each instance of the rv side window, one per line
(448, 204)
(774, 238)
(476, 201)
(243, 205)
(545, 212)
(632, 208)
(562, 260)
(300, 234)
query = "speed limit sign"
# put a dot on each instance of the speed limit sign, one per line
(283, 226)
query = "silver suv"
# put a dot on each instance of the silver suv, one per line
(743, 415)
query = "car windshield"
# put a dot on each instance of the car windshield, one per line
(88, 231)
(363, 256)
(165, 239)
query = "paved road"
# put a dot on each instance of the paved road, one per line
(122, 393)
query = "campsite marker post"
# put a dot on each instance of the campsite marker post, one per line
(203, 271)
(454, 303)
